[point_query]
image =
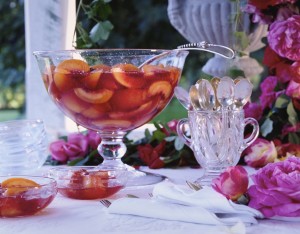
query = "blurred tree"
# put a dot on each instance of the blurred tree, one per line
(12, 54)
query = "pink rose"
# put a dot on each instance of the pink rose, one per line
(76, 146)
(276, 189)
(232, 183)
(260, 153)
(293, 90)
(283, 72)
(268, 95)
(173, 125)
(284, 37)
(253, 110)
(94, 139)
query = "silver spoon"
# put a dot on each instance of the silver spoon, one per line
(242, 92)
(183, 97)
(206, 94)
(194, 97)
(225, 92)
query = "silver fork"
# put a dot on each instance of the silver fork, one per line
(105, 203)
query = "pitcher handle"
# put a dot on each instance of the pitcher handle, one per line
(221, 50)
(180, 131)
(249, 140)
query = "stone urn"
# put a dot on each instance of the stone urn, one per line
(220, 22)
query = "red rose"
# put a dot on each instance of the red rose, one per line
(264, 4)
(151, 155)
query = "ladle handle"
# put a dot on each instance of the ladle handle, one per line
(221, 50)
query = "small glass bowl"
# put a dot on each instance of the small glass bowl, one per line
(25, 195)
(23, 146)
(87, 183)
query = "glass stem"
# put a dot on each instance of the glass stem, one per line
(112, 149)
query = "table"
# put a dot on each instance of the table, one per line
(64, 216)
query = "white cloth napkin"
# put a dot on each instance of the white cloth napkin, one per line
(171, 202)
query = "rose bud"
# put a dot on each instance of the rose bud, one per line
(232, 183)
(260, 153)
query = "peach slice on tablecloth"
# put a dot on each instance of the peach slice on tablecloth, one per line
(16, 185)
(98, 96)
(160, 87)
(68, 71)
(127, 99)
(128, 75)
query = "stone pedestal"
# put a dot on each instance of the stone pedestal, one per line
(213, 21)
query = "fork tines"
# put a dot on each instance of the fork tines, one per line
(105, 203)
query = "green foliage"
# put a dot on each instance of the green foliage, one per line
(12, 54)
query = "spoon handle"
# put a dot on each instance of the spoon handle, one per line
(221, 50)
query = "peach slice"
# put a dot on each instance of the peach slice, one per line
(174, 74)
(98, 96)
(72, 66)
(95, 179)
(108, 81)
(155, 72)
(68, 69)
(101, 67)
(96, 111)
(160, 87)
(148, 107)
(16, 185)
(92, 80)
(128, 75)
(72, 103)
(127, 99)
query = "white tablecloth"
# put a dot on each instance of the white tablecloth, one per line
(64, 216)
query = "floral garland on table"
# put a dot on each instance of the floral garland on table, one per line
(159, 148)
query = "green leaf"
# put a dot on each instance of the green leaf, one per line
(293, 118)
(294, 138)
(242, 40)
(266, 127)
(179, 144)
(282, 101)
(170, 138)
(158, 135)
(101, 31)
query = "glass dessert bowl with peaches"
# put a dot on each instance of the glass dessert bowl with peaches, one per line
(112, 92)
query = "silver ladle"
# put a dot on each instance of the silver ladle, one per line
(220, 50)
